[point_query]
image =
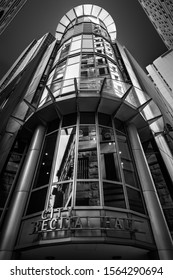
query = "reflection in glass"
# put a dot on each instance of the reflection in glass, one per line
(126, 161)
(87, 153)
(135, 200)
(61, 195)
(37, 201)
(87, 194)
(65, 157)
(65, 49)
(113, 195)
(109, 159)
(10, 171)
(43, 172)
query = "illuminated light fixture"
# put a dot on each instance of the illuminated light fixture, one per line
(110, 143)
(46, 154)
(120, 152)
(43, 163)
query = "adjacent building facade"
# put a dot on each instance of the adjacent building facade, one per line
(8, 10)
(86, 171)
(160, 72)
(160, 13)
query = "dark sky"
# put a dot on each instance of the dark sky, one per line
(38, 17)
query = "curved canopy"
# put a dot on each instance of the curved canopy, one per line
(90, 11)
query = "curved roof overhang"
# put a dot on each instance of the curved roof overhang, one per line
(145, 116)
(93, 12)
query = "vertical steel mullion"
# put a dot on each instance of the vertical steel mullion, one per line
(75, 162)
(99, 162)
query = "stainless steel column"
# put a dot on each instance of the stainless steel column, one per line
(159, 226)
(20, 196)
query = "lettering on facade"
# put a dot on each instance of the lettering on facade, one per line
(49, 222)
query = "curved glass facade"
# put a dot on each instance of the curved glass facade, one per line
(86, 162)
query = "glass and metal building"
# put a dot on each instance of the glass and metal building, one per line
(86, 173)
(160, 13)
(8, 10)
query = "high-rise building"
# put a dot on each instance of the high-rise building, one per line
(8, 10)
(160, 13)
(160, 72)
(86, 171)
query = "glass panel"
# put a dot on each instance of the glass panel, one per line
(113, 195)
(71, 15)
(87, 27)
(68, 34)
(108, 20)
(76, 38)
(37, 201)
(103, 14)
(109, 159)
(135, 200)
(65, 21)
(43, 172)
(79, 10)
(87, 118)
(87, 9)
(87, 153)
(72, 71)
(69, 120)
(78, 29)
(111, 28)
(96, 10)
(100, 61)
(53, 125)
(60, 28)
(104, 119)
(65, 49)
(61, 195)
(73, 60)
(126, 160)
(87, 194)
(65, 157)
(94, 20)
(87, 44)
(10, 171)
(88, 67)
(75, 45)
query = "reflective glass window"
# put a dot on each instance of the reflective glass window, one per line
(135, 200)
(109, 159)
(113, 195)
(43, 171)
(87, 27)
(104, 119)
(10, 170)
(87, 44)
(78, 29)
(75, 46)
(73, 60)
(87, 118)
(126, 160)
(60, 195)
(53, 125)
(65, 156)
(37, 201)
(87, 153)
(65, 49)
(69, 120)
(87, 194)
(68, 34)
